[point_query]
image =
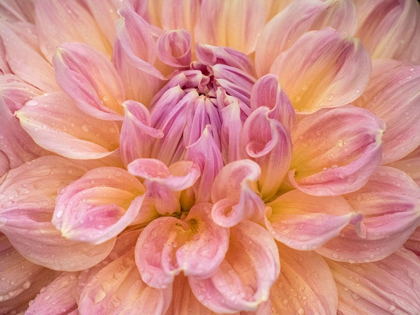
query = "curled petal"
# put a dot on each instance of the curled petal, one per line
(174, 48)
(27, 204)
(88, 77)
(390, 203)
(365, 288)
(233, 196)
(56, 124)
(305, 222)
(99, 205)
(243, 280)
(322, 70)
(393, 95)
(168, 246)
(335, 151)
(298, 18)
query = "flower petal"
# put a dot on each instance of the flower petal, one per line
(174, 48)
(365, 288)
(65, 129)
(99, 205)
(413, 242)
(410, 164)
(322, 69)
(244, 278)
(390, 203)
(230, 133)
(335, 151)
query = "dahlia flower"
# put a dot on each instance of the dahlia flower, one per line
(173, 157)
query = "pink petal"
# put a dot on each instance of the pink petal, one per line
(168, 246)
(99, 205)
(244, 278)
(174, 48)
(335, 151)
(393, 94)
(56, 298)
(413, 242)
(390, 286)
(268, 143)
(230, 133)
(298, 18)
(17, 10)
(305, 222)
(178, 14)
(389, 29)
(88, 77)
(410, 164)
(322, 69)
(233, 196)
(389, 202)
(27, 201)
(65, 129)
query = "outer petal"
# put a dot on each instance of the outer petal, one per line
(413, 243)
(322, 69)
(99, 205)
(174, 48)
(20, 10)
(390, 203)
(305, 222)
(27, 203)
(244, 278)
(298, 18)
(393, 94)
(335, 151)
(390, 286)
(90, 79)
(410, 165)
(56, 124)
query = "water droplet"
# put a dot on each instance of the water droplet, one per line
(392, 308)
(85, 128)
(301, 311)
(100, 295)
(26, 285)
(340, 143)
(59, 214)
(32, 103)
(330, 97)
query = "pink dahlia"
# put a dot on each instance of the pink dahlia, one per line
(176, 157)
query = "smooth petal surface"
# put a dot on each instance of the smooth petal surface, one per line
(55, 123)
(413, 242)
(305, 222)
(390, 203)
(393, 94)
(364, 289)
(323, 69)
(99, 205)
(27, 204)
(230, 132)
(410, 165)
(336, 150)
(244, 278)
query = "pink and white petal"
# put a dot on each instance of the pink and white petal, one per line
(322, 70)
(233, 195)
(299, 288)
(298, 18)
(365, 288)
(393, 94)
(178, 14)
(57, 298)
(230, 133)
(55, 123)
(159, 200)
(99, 205)
(174, 48)
(336, 150)
(410, 164)
(388, 29)
(413, 242)
(88, 77)
(55, 21)
(17, 10)
(244, 278)
(268, 143)
(28, 195)
(305, 222)
(390, 203)
(119, 289)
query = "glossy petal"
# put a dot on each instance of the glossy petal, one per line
(56, 124)
(390, 203)
(335, 151)
(174, 48)
(322, 70)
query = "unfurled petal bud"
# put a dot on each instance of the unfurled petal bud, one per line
(90, 79)
(99, 205)
(27, 204)
(174, 48)
(56, 124)
(168, 246)
(393, 94)
(362, 291)
(232, 195)
(306, 222)
(335, 151)
(244, 278)
(298, 18)
(390, 203)
(323, 69)
(268, 143)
